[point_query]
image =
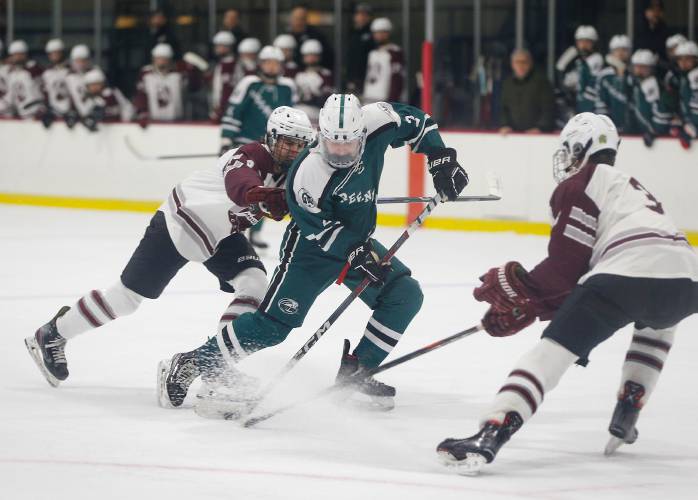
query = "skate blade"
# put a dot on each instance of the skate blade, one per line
(613, 444)
(163, 396)
(35, 353)
(469, 466)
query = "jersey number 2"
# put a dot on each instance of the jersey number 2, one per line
(655, 206)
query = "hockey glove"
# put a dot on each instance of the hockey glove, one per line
(449, 177)
(47, 119)
(70, 119)
(503, 323)
(271, 201)
(505, 287)
(366, 261)
(242, 221)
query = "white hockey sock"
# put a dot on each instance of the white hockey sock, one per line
(250, 286)
(98, 308)
(536, 373)
(645, 359)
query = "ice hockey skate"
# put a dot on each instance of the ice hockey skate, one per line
(47, 348)
(622, 426)
(175, 376)
(364, 393)
(469, 455)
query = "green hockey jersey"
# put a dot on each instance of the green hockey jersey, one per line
(648, 109)
(688, 97)
(612, 96)
(336, 208)
(251, 103)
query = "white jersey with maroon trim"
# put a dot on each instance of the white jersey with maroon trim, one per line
(56, 89)
(75, 81)
(164, 93)
(24, 96)
(113, 103)
(222, 84)
(384, 74)
(197, 210)
(5, 109)
(606, 222)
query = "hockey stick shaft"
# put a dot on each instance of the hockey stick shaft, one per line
(146, 157)
(369, 373)
(426, 199)
(345, 303)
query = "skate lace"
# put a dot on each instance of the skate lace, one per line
(56, 349)
(186, 372)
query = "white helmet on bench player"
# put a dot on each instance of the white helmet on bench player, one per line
(288, 132)
(584, 135)
(342, 135)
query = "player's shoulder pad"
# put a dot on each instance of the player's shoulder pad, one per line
(379, 114)
(310, 180)
(242, 87)
(650, 88)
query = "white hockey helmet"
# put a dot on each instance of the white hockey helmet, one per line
(586, 32)
(285, 41)
(162, 50)
(249, 46)
(54, 45)
(311, 47)
(18, 47)
(342, 135)
(381, 24)
(292, 124)
(684, 49)
(224, 38)
(80, 52)
(271, 52)
(644, 57)
(674, 41)
(582, 136)
(95, 75)
(620, 42)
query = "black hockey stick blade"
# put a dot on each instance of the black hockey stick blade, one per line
(251, 422)
(145, 157)
(426, 199)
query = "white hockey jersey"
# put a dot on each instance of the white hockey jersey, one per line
(75, 81)
(198, 209)
(384, 75)
(55, 88)
(24, 97)
(161, 93)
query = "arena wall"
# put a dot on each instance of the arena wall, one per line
(79, 169)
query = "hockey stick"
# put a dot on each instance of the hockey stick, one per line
(426, 199)
(369, 373)
(139, 154)
(343, 306)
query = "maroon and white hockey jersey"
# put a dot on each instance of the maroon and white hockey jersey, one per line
(75, 81)
(113, 103)
(55, 88)
(314, 87)
(384, 74)
(222, 85)
(291, 68)
(24, 97)
(197, 211)
(160, 94)
(606, 222)
(4, 88)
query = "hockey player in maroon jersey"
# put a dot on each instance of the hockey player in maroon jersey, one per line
(163, 87)
(203, 220)
(53, 82)
(314, 83)
(80, 64)
(223, 74)
(24, 98)
(287, 44)
(385, 77)
(103, 103)
(614, 258)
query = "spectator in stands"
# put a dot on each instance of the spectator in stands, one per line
(385, 67)
(653, 31)
(687, 58)
(358, 47)
(287, 44)
(648, 115)
(24, 98)
(103, 103)
(163, 87)
(672, 76)
(314, 83)
(527, 97)
(160, 31)
(231, 22)
(613, 82)
(247, 59)
(53, 81)
(222, 78)
(302, 31)
(80, 64)
(577, 68)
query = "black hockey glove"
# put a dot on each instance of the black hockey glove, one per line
(449, 177)
(365, 260)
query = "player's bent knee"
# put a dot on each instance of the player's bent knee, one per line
(257, 331)
(404, 295)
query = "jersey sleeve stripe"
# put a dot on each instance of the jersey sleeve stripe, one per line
(579, 236)
(426, 131)
(584, 218)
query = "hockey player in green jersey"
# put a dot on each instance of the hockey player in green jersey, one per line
(687, 58)
(648, 113)
(251, 103)
(331, 193)
(613, 82)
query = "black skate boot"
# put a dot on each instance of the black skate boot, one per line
(47, 349)
(380, 396)
(622, 427)
(174, 378)
(470, 454)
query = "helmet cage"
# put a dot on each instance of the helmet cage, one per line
(568, 161)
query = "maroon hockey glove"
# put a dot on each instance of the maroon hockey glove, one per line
(242, 221)
(271, 200)
(502, 323)
(505, 287)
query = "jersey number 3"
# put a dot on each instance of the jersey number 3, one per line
(654, 205)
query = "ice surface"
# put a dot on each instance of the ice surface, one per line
(101, 434)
